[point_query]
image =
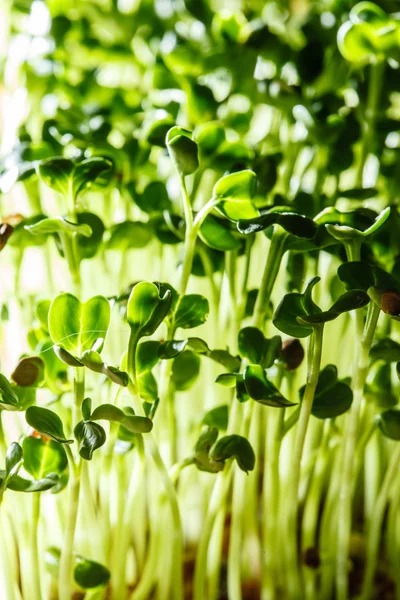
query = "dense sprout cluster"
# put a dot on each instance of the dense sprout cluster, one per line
(200, 258)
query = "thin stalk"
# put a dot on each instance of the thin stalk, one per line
(270, 274)
(312, 507)
(73, 264)
(151, 446)
(314, 363)
(67, 554)
(218, 496)
(350, 441)
(35, 570)
(270, 502)
(7, 575)
(243, 291)
(374, 92)
(375, 528)
(121, 551)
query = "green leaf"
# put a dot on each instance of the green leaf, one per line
(14, 459)
(214, 233)
(297, 313)
(234, 193)
(185, 370)
(70, 179)
(154, 198)
(227, 379)
(75, 327)
(42, 457)
(147, 308)
(86, 409)
(147, 384)
(237, 447)
(171, 348)
(344, 233)
(93, 361)
(66, 357)
(59, 225)
(332, 397)
(147, 355)
(42, 313)
(386, 349)
(251, 344)
(89, 171)
(110, 412)
(261, 389)
(129, 234)
(47, 423)
(56, 173)
(294, 223)
(90, 437)
(217, 417)
(89, 574)
(201, 452)
(88, 246)
(291, 307)
(20, 484)
(65, 322)
(8, 397)
(193, 310)
(182, 150)
(348, 301)
(378, 389)
(29, 372)
(389, 423)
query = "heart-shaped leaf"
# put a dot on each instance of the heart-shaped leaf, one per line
(74, 326)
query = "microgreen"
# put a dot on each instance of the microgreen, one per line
(200, 300)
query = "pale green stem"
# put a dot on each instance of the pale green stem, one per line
(375, 528)
(350, 441)
(374, 91)
(35, 570)
(67, 552)
(314, 362)
(270, 274)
